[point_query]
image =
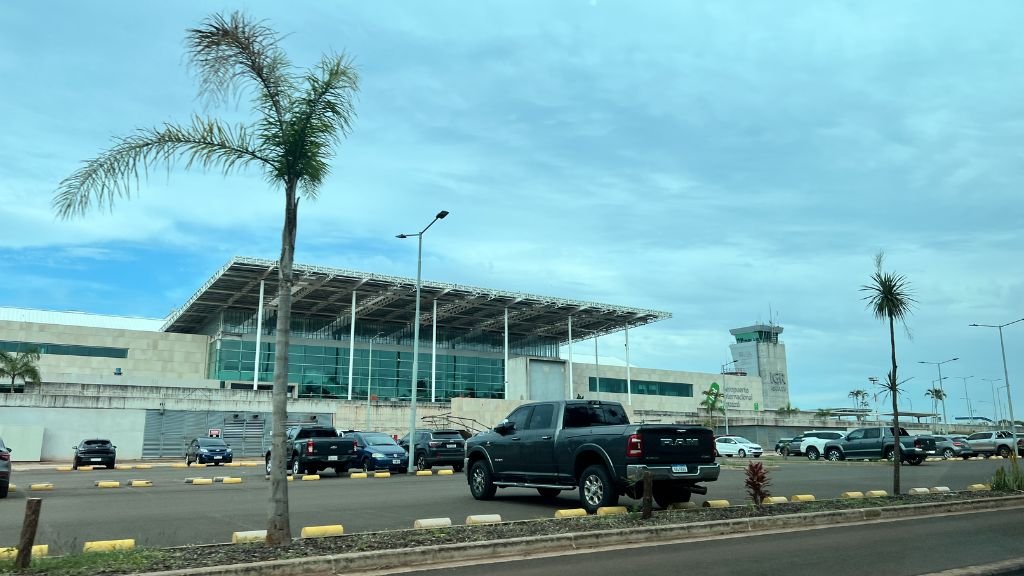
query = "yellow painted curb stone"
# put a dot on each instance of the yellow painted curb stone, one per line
(322, 531)
(248, 536)
(108, 545)
(716, 503)
(570, 513)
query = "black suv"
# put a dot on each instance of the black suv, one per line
(94, 453)
(5, 469)
(437, 448)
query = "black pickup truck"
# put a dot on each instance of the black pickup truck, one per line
(877, 443)
(590, 446)
(316, 448)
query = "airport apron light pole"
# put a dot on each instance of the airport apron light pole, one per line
(1006, 374)
(416, 337)
(938, 365)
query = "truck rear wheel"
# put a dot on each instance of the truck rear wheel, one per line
(596, 489)
(915, 460)
(1004, 451)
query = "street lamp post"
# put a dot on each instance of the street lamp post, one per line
(416, 337)
(725, 396)
(995, 406)
(1006, 374)
(938, 365)
(967, 398)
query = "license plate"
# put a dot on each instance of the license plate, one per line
(332, 458)
(396, 461)
(679, 468)
(95, 459)
(217, 457)
(450, 446)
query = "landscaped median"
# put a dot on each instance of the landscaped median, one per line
(370, 551)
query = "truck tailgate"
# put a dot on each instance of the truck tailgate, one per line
(677, 444)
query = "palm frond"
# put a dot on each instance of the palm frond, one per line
(116, 172)
(889, 294)
(320, 118)
(228, 51)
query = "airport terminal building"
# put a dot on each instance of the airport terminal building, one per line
(152, 384)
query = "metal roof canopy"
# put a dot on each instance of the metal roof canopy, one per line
(325, 292)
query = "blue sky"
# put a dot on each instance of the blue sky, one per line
(710, 159)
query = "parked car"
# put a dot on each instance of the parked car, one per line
(793, 448)
(966, 451)
(813, 442)
(94, 453)
(949, 447)
(5, 469)
(877, 442)
(437, 448)
(315, 448)
(208, 451)
(377, 451)
(995, 444)
(590, 446)
(737, 446)
(782, 444)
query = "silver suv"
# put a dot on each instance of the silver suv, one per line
(5, 469)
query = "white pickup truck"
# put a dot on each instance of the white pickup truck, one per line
(995, 443)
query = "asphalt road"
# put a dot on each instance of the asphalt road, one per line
(905, 547)
(174, 513)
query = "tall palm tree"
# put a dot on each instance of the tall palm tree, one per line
(937, 395)
(21, 365)
(300, 117)
(891, 300)
(858, 396)
(713, 403)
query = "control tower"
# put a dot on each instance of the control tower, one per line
(758, 352)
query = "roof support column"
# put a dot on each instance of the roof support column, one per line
(259, 333)
(568, 395)
(629, 383)
(433, 356)
(597, 368)
(352, 347)
(504, 393)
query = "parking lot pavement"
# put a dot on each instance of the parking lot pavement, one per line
(175, 513)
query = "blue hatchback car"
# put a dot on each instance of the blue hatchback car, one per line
(378, 451)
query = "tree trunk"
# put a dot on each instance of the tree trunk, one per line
(897, 459)
(279, 531)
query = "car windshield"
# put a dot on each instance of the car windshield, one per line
(212, 443)
(378, 440)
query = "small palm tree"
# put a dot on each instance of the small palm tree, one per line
(300, 117)
(859, 400)
(787, 410)
(713, 403)
(823, 413)
(20, 365)
(937, 395)
(890, 299)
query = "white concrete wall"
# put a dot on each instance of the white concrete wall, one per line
(28, 439)
(66, 427)
(153, 357)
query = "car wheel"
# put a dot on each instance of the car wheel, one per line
(596, 489)
(947, 453)
(188, 461)
(457, 467)
(833, 455)
(368, 465)
(665, 494)
(966, 457)
(110, 466)
(4, 488)
(742, 453)
(915, 460)
(268, 467)
(421, 463)
(1004, 451)
(74, 464)
(548, 492)
(813, 454)
(888, 454)
(296, 467)
(480, 483)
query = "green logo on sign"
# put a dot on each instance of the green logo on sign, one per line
(714, 386)
(755, 407)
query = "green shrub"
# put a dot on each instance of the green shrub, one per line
(1009, 480)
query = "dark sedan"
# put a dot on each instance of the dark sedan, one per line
(378, 451)
(208, 451)
(94, 452)
(5, 469)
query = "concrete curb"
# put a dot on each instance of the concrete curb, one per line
(429, 555)
(1006, 567)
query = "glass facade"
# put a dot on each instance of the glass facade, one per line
(322, 370)
(647, 387)
(64, 349)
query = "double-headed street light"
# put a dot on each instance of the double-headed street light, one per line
(938, 365)
(995, 405)
(1006, 374)
(416, 338)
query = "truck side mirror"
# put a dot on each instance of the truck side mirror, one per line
(505, 427)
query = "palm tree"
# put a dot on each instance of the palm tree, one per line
(787, 410)
(890, 299)
(20, 365)
(823, 413)
(713, 403)
(859, 401)
(300, 117)
(937, 395)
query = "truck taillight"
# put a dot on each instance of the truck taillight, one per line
(309, 446)
(635, 446)
(434, 444)
(355, 445)
(5, 456)
(918, 443)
